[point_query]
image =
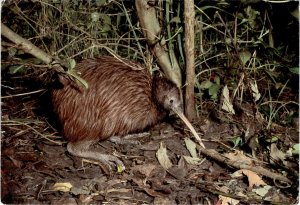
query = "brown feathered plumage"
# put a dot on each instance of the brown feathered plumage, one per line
(121, 99)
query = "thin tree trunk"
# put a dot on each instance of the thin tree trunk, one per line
(146, 11)
(189, 19)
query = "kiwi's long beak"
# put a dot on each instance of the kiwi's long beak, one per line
(189, 125)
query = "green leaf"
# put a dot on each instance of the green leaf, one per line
(106, 19)
(236, 141)
(105, 28)
(296, 149)
(214, 89)
(16, 69)
(120, 168)
(72, 64)
(217, 80)
(214, 97)
(32, 60)
(245, 56)
(95, 16)
(206, 84)
(80, 80)
(273, 139)
(12, 51)
(294, 70)
(100, 2)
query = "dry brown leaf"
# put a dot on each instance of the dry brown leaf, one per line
(255, 92)
(162, 156)
(144, 169)
(241, 194)
(227, 105)
(228, 201)
(253, 178)
(193, 160)
(276, 154)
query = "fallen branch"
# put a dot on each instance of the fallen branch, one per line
(25, 44)
(28, 47)
(257, 169)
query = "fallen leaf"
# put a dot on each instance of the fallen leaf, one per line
(227, 105)
(296, 149)
(293, 150)
(191, 146)
(253, 178)
(262, 191)
(162, 156)
(62, 186)
(255, 91)
(120, 168)
(228, 201)
(192, 160)
(276, 154)
(236, 174)
(241, 194)
(145, 169)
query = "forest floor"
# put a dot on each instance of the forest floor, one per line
(36, 167)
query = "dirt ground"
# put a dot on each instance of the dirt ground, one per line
(37, 169)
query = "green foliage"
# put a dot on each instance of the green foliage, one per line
(232, 38)
(236, 141)
(16, 69)
(71, 71)
(212, 87)
(294, 70)
(66, 28)
(244, 57)
(296, 149)
(255, 40)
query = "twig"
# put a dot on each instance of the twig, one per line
(37, 132)
(22, 94)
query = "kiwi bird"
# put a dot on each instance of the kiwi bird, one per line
(121, 99)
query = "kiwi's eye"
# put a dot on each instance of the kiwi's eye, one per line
(171, 101)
